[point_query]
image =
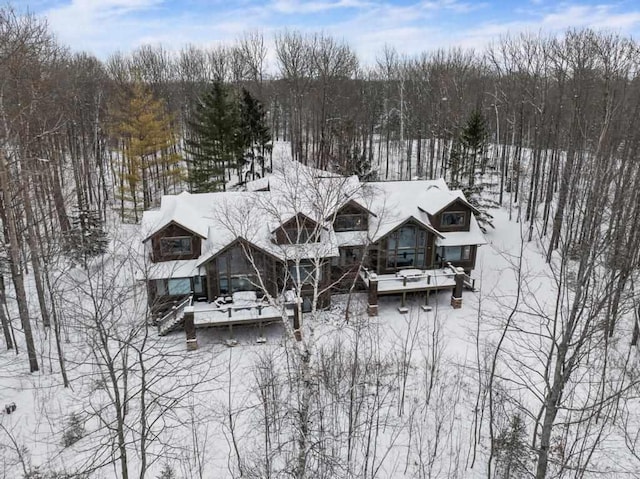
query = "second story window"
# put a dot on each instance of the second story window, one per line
(175, 246)
(350, 222)
(300, 236)
(453, 218)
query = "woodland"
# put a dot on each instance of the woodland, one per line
(545, 131)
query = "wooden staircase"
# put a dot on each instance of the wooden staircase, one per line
(174, 319)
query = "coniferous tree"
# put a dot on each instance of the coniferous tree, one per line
(256, 136)
(149, 160)
(215, 139)
(87, 237)
(358, 164)
(469, 169)
(512, 452)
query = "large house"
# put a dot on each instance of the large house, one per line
(301, 227)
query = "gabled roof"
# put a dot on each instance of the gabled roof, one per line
(397, 201)
(436, 200)
(176, 210)
(285, 221)
(462, 238)
(223, 218)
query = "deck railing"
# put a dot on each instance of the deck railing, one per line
(174, 315)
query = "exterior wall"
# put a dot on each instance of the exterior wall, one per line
(456, 206)
(349, 210)
(468, 265)
(344, 270)
(160, 301)
(301, 222)
(173, 230)
(269, 265)
(378, 252)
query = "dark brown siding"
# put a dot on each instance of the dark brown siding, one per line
(351, 209)
(173, 230)
(453, 207)
(288, 232)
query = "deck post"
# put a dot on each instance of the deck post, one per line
(456, 297)
(426, 297)
(190, 329)
(372, 308)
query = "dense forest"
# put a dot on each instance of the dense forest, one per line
(546, 127)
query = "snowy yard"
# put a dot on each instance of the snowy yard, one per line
(399, 395)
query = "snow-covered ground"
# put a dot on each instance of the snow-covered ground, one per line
(399, 395)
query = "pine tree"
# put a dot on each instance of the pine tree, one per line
(87, 237)
(358, 164)
(512, 452)
(468, 162)
(256, 136)
(215, 140)
(150, 164)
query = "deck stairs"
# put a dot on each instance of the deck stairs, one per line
(174, 318)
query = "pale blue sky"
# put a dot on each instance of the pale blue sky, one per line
(104, 26)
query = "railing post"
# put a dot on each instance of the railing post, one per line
(190, 329)
(372, 308)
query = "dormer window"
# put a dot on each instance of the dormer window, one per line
(350, 222)
(453, 218)
(175, 246)
(300, 236)
(351, 217)
(298, 230)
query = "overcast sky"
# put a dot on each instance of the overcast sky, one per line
(104, 26)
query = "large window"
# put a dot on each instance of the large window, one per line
(454, 253)
(305, 272)
(350, 222)
(179, 286)
(452, 218)
(176, 245)
(350, 255)
(301, 235)
(173, 287)
(237, 273)
(406, 248)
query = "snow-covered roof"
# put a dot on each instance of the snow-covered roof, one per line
(174, 209)
(173, 269)
(397, 201)
(460, 238)
(222, 218)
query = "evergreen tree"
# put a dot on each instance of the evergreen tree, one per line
(469, 171)
(215, 140)
(358, 164)
(512, 452)
(87, 237)
(256, 136)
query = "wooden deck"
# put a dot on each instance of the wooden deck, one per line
(207, 315)
(427, 280)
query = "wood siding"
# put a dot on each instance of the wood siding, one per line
(349, 210)
(456, 206)
(288, 232)
(173, 230)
